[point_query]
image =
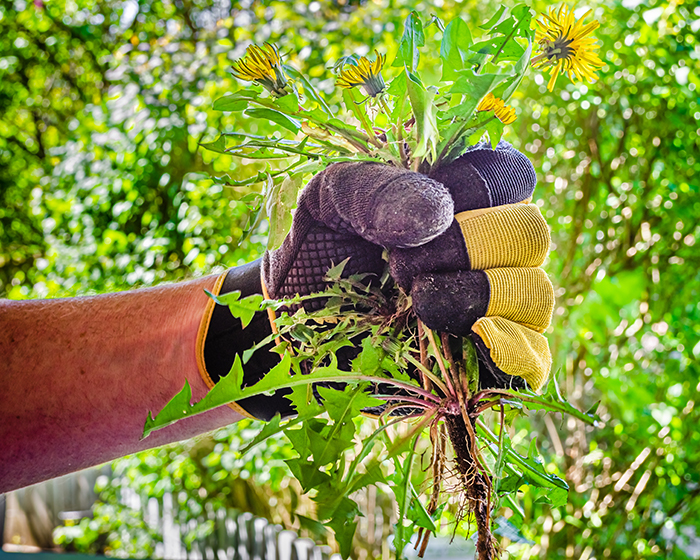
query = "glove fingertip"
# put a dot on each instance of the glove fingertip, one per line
(516, 349)
(483, 177)
(490, 375)
(408, 211)
(510, 176)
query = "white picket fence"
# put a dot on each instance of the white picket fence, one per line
(29, 516)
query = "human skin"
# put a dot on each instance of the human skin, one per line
(79, 375)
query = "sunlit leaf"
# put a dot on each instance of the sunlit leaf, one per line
(281, 119)
(454, 48)
(280, 200)
(412, 38)
(424, 111)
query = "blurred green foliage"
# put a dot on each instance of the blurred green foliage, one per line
(102, 187)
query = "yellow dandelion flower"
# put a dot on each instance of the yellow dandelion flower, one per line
(566, 46)
(504, 113)
(262, 65)
(364, 73)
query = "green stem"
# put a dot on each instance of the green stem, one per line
(384, 106)
(429, 374)
(457, 135)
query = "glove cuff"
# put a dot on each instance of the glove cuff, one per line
(202, 333)
(221, 336)
(515, 349)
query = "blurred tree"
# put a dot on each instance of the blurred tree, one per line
(102, 187)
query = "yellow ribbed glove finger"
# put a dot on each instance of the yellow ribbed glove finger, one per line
(453, 301)
(511, 235)
(514, 235)
(515, 349)
(523, 295)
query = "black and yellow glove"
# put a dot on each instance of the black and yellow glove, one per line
(461, 242)
(481, 277)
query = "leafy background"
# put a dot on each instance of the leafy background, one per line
(102, 188)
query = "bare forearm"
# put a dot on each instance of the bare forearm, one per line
(79, 376)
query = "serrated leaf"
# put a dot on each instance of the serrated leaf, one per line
(280, 200)
(558, 497)
(342, 407)
(287, 103)
(370, 358)
(397, 87)
(593, 410)
(532, 452)
(476, 85)
(532, 470)
(494, 19)
(353, 105)
(518, 516)
(336, 272)
(370, 477)
(302, 333)
(520, 69)
(269, 429)
(172, 411)
(316, 528)
(419, 515)
(367, 445)
(412, 38)
(500, 48)
(304, 401)
(552, 401)
(225, 391)
(281, 119)
(274, 426)
(403, 494)
(243, 309)
(510, 483)
(306, 473)
(502, 44)
(218, 145)
(344, 532)
(454, 48)
(495, 131)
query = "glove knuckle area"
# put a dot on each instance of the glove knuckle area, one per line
(514, 235)
(445, 253)
(523, 295)
(451, 301)
(300, 265)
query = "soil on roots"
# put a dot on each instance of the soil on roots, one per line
(477, 486)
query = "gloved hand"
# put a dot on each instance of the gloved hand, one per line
(473, 273)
